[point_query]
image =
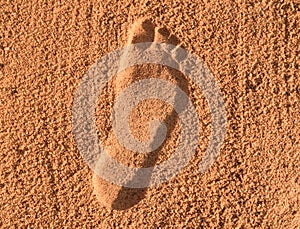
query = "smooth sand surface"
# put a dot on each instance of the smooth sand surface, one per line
(251, 47)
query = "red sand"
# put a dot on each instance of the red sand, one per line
(251, 47)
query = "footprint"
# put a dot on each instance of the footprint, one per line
(114, 196)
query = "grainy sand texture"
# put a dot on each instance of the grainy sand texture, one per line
(251, 47)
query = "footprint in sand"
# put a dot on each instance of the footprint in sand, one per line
(114, 196)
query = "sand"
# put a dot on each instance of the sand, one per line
(251, 47)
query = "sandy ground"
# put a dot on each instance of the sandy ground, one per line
(252, 48)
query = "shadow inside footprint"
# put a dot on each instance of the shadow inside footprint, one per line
(128, 197)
